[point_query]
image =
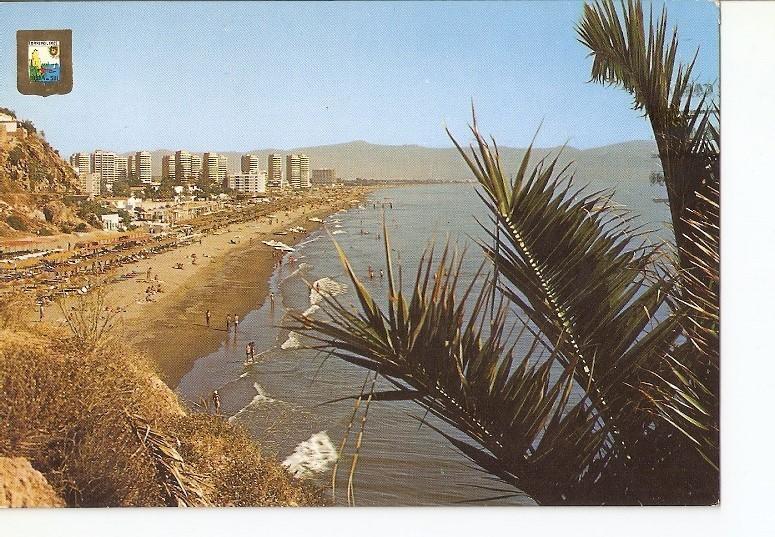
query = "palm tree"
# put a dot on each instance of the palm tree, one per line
(584, 368)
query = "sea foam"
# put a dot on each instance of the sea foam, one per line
(292, 342)
(325, 286)
(313, 456)
(260, 398)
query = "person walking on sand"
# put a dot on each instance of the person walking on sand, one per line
(236, 322)
(217, 402)
(207, 318)
(228, 323)
(40, 311)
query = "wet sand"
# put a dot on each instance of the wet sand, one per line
(226, 279)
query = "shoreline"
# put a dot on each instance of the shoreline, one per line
(228, 279)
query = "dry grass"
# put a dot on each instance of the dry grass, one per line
(68, 410)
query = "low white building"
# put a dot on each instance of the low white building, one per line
(110, 222)
(8, 123)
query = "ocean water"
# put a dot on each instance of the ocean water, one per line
(281, 397)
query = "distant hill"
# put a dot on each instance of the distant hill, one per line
(609, 165)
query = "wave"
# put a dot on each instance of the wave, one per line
(260, 398)
(292, 342)
(311, 310)
(313, 456)
(338, 232)
(325, 286)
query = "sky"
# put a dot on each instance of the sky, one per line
(242, 76)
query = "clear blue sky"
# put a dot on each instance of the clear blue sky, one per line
(240, 76)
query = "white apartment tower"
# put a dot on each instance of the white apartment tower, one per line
(249, 164)
(223, 167)
(104, 163)
(81, 162)
(122, 168)
(196, 167)
(293, 171)
(274, 174)
(143, 167)
(304, 178)
(183, 166)
(210, 163)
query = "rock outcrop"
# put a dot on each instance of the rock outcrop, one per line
(21, 485)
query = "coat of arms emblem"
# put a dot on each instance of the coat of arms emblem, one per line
(44, 64)
(44, 61)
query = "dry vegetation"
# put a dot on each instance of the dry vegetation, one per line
(95, 420)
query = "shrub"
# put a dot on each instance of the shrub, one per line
(71, 403)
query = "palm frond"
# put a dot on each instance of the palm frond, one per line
(443, 349)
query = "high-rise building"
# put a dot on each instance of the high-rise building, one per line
(247, 183)
(223, 169)
(168, 167)
(274, 172)
(324, 176)
(89, 183)
(196, 167)
(143, 167)
(182, 171)
(104, 163)
(249, 164)
(122, 168)
(80, 162)
(131, 170)
(304, 181)
(292, 171)
(210, 163)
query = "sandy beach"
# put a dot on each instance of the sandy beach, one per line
(227, 279)
(227, 273)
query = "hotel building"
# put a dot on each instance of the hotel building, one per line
(223, 169)
(274, 177)
(324, 176)
(247, 183)
(104, 163)
(122, 168)
(196, 167)
(182, 167)
(168, 168)
(249, 164)
(210, 163)
(81, 162)
(304, 180)
(293, 171)
(143, 167)
(89, 183)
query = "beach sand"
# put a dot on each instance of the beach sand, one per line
(226, 279)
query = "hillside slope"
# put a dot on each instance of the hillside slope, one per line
(33, 182)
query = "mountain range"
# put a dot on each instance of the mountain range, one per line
(609, 165)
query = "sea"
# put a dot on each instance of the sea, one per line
(284, 398)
